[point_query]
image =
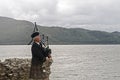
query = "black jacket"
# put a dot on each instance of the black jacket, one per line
(37, 53)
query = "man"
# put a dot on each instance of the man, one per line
(37, 72)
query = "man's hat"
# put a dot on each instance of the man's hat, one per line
(35, 34)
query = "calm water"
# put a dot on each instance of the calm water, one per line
(76, 62)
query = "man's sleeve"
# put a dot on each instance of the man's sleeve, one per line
(38, 54)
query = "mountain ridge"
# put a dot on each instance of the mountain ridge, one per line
(17, 32)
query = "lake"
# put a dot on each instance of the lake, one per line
(75, 62)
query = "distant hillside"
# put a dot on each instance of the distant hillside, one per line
(18, 32)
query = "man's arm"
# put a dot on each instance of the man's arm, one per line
(38, 53)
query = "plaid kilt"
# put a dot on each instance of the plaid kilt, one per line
(36, 71)
(40, 70)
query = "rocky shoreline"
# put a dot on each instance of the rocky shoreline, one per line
(15, 69)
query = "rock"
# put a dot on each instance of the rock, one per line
(15, 69)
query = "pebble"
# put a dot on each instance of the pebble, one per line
(15, 69)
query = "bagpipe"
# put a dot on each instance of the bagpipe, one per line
(44, 42)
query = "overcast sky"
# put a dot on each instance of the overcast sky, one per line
(91, 14)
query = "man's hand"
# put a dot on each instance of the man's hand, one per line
(47, 58)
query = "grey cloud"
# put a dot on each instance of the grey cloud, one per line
(72, 13)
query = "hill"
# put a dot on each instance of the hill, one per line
(18, 32)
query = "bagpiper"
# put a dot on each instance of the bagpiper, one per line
(41, 59)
